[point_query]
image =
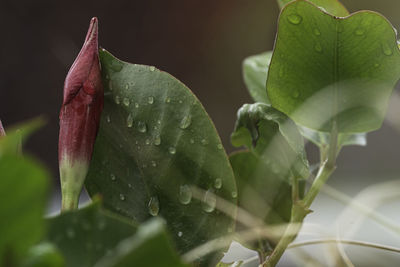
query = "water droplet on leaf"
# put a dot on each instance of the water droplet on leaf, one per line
(295, 19)
(150, 100)
(318, 47)
(386, 49)
(154, 206)
(122, 197)
(317, 32)
(185, 194)
(117, 99)
(126, 101)
(157, 140)
(185, 122)
(209, 201)
(113, 178)
(172, 150)
(218, 183)
(129, 120)
(142, 126)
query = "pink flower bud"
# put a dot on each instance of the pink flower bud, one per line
(80, 117)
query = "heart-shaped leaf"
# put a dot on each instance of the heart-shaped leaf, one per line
(333, 7)
(155, 145)
(331, 72)
(150, 246)
(23, 192)
(263, 193)
(255, 69)
(85, 235)
(271, 135)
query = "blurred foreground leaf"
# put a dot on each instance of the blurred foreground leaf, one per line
(23, 194)
(86, 235)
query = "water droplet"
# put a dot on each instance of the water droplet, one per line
(317, 32)
(209, 201)
(113, 178)
(318, 47)
(147, 141)
(180, 101)
(129, 121)
(185, 194)
(296, 94)
(136, 105)
(127, 86)
(152, 68)
(234, 194)
(154, 206)
(172, 150)
(295, 19)
(204, 142)
(185, 122)
(108, 118)
(122, 197)
(359, 32)
(110, 86)
(126, 101)
(150, 100)
(159, 122)
(218, 183)
(129, 185)
(191, 141)
(117, 99)
(386, 49)
(180, 234)
(154, 164)
(167, 100)
(142, 126)
(157, 140)
(220, 147)
(70, 233)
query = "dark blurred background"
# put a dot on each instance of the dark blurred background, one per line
(202, 43)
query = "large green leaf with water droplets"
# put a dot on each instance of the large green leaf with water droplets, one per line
(150, 246)
(263, 193)
(333, 7)
(86, 235)
(327, 70)
(273, 138)
(156, 146)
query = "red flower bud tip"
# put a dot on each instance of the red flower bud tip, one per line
(80, 118)
(2, 132)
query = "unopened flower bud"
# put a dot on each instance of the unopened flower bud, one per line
(80, 118)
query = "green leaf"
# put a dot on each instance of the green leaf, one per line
(261, 192)
(16, 135)
(150, 246)
(333, 7)
(269, 134)
(23, 194)
(322, 139)
(84, 236)
(328, 70)
(44, 255)
(255, 69)
(155, 144)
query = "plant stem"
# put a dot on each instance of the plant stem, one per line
(300, 208)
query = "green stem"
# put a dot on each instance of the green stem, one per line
(300, 208)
